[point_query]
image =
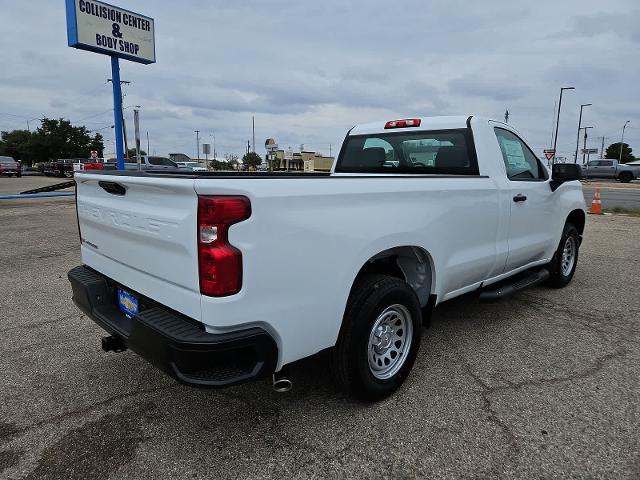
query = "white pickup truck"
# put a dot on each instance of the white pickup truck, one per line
(219, 278)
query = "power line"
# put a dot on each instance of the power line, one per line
(93, 116)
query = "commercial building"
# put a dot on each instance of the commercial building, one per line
(306, 161)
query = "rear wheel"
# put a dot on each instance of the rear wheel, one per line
(379, 339)
(625, 177)
(565, 260)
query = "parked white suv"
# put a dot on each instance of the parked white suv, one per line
(222, 277)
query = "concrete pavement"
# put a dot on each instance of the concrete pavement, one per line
(543, 385)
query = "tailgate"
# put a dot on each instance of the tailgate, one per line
(141, 232)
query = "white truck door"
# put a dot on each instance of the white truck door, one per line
(527, 185)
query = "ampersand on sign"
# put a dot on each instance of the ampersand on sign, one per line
(116, 31)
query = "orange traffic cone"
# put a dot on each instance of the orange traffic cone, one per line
(596, 204)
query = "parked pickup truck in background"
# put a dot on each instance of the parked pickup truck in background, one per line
(220, 278)
(147, 162)
(9, 167)
(606, 168)
(62, 167)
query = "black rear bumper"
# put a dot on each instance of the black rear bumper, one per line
(177, 345)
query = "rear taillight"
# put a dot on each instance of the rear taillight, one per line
(219, 262)
(409, 122)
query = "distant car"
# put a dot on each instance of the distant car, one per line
(28, 171)
(607, 168)
(193, 166)
(147, 162)
(9, 167)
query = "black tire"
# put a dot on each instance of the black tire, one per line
(625, 177)
(369, 298)
(560, 277)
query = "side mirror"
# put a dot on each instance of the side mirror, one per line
(564, 172)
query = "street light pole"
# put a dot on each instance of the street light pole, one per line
(575, 157)
(197, 132)
(584, 147)
(555, 139)
(622, 141)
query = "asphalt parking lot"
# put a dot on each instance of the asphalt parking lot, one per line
(543, 385)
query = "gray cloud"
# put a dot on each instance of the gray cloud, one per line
(309, 71)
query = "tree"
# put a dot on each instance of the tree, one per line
(232, 160)
(54, 139)
(215, 164)
(613, 151)
(251, 160)
(17, 144)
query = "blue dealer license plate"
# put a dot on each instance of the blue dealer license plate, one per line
(128, 303)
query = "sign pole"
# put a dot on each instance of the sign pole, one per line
(117, 111)
(136, 126)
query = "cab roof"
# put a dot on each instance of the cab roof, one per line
(426, 123)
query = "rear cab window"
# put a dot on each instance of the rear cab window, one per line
(449, 152)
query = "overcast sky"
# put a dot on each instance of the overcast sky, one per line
(309, 71)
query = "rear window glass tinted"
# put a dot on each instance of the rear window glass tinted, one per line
(426, 152)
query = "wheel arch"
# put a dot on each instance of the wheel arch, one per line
(410, 263)
(578, 218)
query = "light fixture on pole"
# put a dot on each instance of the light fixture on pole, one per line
(31, 120)
(197, 132)
(555, 139)
(622, 141)
(575, 157)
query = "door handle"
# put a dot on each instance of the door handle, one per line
(519, 198)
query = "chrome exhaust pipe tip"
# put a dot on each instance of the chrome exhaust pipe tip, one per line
(281, 383)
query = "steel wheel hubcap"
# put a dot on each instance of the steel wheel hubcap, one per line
(568, 256)
(390, 341)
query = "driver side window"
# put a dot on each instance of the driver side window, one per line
(519, 160)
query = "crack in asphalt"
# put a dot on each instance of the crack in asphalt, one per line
(89, 408)
(487, 390)
(579, 318)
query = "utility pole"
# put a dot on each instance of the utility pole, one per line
(248, 146)
(148, 149)
(136, 128)
(253, 132)
(622, 141)
(555, 138)
(584, 148)
(575, 157)
(124, 125)
(197, 132)
(214, 144)
(553, 123)
(329, 149)
(602, 148)
(506, 116)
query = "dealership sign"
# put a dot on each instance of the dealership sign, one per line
(103, 28)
